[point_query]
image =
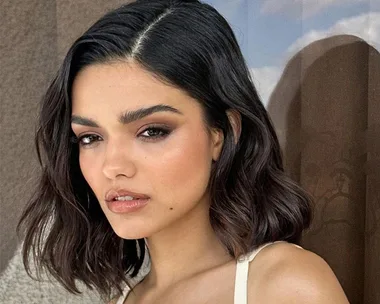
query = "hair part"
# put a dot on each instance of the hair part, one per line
(189, 45)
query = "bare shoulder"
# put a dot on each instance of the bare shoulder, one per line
(284, 273)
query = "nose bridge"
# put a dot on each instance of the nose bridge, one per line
(118, 160)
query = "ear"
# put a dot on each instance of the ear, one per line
(235, 120)
(217, 140)
(217, 135)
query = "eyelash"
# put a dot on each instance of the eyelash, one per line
(164, 132)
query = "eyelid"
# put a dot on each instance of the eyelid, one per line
(163, 130)
(86, 133)
(154, 125)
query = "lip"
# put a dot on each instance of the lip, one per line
(113, 193)
(127, 206)
(140, 201)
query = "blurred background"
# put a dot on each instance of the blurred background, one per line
(316, 65)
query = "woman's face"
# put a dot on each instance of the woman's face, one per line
(165, 155)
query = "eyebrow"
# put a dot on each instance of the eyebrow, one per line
(128, 116)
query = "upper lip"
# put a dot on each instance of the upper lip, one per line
(113, 193)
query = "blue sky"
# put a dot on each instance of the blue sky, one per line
(271, 31)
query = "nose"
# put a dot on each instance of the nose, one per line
(117, 161)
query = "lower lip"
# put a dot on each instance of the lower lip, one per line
(127, 206)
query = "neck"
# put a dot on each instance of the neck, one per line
(186, 248)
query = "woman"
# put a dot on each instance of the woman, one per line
(153, 140)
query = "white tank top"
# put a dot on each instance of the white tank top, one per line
(241, 277)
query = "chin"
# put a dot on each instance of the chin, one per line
(130, 232)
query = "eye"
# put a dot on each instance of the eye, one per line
(86, 140)
(154, 133)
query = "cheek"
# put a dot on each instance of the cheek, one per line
(183, 171)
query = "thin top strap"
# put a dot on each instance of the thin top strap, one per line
(126, 289)
(123, 296)
(241, 278)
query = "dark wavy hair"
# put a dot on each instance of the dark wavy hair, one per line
(189, 45)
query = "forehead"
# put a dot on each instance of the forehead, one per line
(122, 84)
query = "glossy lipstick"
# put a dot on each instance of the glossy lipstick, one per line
(127, 206)
(117, 205)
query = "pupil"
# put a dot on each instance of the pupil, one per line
(153, 132)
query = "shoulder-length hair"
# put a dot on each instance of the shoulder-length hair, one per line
(187, 44)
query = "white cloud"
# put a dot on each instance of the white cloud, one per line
(303, 9)
(265, 80)
(365, 26)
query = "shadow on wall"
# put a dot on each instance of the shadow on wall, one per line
(326, 111)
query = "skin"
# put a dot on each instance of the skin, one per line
(173, 170)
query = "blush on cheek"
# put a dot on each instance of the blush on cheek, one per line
(184, 169)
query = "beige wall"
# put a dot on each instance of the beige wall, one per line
(28, 59)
